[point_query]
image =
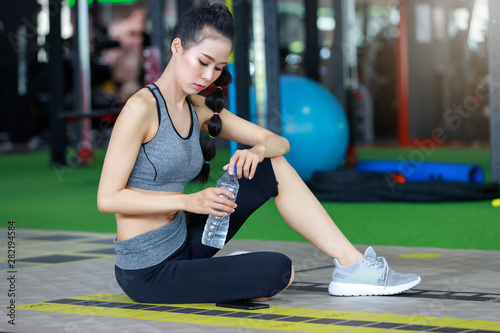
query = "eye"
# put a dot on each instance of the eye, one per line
(202, 63)
(218, 69)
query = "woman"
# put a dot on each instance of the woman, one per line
(155, 150)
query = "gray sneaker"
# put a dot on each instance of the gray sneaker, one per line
(369, 276)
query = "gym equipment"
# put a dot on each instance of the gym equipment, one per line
(415, 171)
(313, 122)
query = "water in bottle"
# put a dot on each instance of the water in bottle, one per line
(216, 228)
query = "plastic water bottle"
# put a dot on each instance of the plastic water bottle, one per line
(216, 228)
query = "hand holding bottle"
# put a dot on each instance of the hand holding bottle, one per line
(217, 226)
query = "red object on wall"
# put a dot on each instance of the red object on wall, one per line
(402, 77)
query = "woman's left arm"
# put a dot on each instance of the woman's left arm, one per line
(263, 142)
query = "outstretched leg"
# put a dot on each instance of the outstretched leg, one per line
(355, 274)
(304, 213)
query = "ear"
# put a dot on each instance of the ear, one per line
(176, 46)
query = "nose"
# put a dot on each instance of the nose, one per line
(207, 74)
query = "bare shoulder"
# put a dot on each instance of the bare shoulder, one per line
(140, 105)
(138, 116)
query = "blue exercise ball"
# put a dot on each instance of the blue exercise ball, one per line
(314, 123)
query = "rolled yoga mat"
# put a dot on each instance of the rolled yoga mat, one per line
(416, 171)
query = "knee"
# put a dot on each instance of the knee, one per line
(282, 168)
(284, 267)
(275, 271)
(278, 161)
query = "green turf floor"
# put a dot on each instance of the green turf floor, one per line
(37, 195)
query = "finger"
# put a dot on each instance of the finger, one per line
(233, 161)
(224, 202)
(217, 212)
(247, 169)
(225, 167)
(230, 167)
(224, 192)
(238, 159)
(240, 168)
(252, 170)
(226, 207)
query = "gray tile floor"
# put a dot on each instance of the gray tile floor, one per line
(460, 292)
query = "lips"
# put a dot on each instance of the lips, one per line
(199, 87)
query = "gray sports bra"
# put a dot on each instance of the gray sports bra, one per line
(169, 161)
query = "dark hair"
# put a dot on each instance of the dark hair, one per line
(189, 30)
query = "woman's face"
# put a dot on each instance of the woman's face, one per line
(201, 64)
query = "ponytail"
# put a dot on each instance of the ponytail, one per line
(216, 101)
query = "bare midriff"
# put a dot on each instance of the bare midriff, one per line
(129, 226)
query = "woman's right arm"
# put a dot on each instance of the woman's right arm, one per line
(132, 128)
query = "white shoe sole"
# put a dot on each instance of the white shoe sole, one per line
(353, 289)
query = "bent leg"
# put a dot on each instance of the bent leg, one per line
(304, 213)
(220, 279)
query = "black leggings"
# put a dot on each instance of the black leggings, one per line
(191, 275)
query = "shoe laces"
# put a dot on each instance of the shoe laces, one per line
(382, 263)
